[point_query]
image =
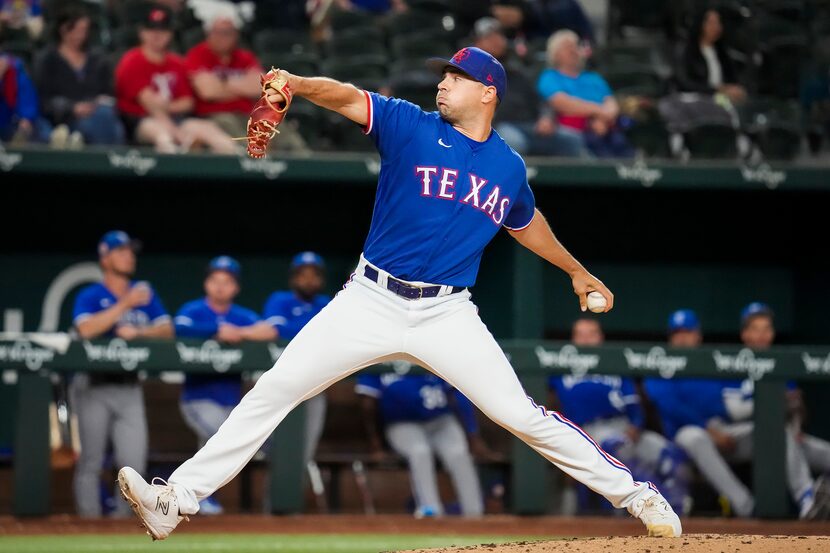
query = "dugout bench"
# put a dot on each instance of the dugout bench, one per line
(32, 359)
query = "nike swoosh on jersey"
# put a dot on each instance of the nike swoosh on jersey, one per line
(441, 142)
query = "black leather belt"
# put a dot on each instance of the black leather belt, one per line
(407, 291)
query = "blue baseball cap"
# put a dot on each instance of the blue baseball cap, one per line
(476, 63)
(753, 309)
(307, 258)
(225, 263)
(116, 239)
(683, 319)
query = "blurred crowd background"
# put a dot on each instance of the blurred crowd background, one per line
(692, 79)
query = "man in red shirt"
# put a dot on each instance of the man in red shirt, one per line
(154, 95)
(225, 79)
(224, 76)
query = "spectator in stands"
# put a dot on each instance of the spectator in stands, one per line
(110, 406)
(154, 94)
(20, 120)
(224, 76)
(525, 123)
(288, 311)
(610, 411)
(21, 15)
(75, 84)
(705, 66)
(582, 100)
(207, 400)
(420, 417)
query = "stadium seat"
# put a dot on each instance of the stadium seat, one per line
(416, 22)
(633, 80)
(775, 126)
(369, 34)
(712, 141)
(417, 88)
(648, 134)
(275, 40)
(309, 122)
(365, 71)
(421, 46)
(353, 47)
(780, 71)
(189, 38)
(341, 20)
(299, 64)
(124, 37)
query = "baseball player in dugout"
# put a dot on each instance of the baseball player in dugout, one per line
(288, 311)
(207, 400)
(711, 419)
(422, 416)
(110, 407)
(447, 184)
(610, 411)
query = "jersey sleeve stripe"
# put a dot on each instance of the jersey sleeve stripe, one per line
(370, 116)
(275, 320)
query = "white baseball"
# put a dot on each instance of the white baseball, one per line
(596, 302)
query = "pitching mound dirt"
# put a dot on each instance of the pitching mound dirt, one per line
(693, 543)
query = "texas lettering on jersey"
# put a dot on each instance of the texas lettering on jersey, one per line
(475, 192)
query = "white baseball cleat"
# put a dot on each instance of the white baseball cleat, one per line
(658, 516)
(154, 504)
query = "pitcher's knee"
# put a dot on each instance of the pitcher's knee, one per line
(691, 437)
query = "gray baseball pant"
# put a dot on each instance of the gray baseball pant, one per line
(107, 413)
(416, 441)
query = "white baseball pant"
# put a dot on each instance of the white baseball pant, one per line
(366, 324)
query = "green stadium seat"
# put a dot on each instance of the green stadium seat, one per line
(417, 22)
(275, 40)
(354, 46)
(649, 135)
(362, 70)
(124, 38)
(775, 126)
(309, 122)
(712, 141)
(299, 64)
(422, 46)
(341, 20)
(369, 34)
(634, 80)
(191, 37)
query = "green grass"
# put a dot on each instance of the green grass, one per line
(238, 543)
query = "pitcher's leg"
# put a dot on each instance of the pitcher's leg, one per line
(459, 348)
(409, 440)
(450, 443)
(353, 331)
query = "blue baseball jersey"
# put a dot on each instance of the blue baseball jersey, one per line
(585, 399)
(289, 313)
(441, 196)
(196, 319)
(97, 297)
(689, 401)
(415, 398)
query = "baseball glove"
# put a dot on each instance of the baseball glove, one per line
(265, 117)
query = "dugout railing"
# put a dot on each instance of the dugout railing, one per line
(29, 361)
